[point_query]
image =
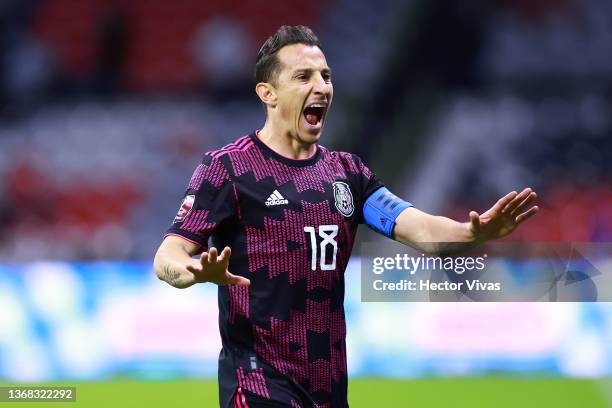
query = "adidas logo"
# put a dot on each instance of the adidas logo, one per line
(276, 199)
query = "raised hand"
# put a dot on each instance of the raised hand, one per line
(508, 213)
(213, 268)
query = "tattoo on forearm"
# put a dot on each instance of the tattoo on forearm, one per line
(171, 276)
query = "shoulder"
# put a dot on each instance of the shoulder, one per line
(215, 167)
(223, 158)
(241, 144)
(349, 161)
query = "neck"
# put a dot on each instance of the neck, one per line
(285, 144)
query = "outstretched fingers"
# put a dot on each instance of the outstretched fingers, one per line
(214, 265)
(527, 214)
(504, 201)
(212, 255)
(232, 279)
(524, 205)
(225, 254)
(516, 201)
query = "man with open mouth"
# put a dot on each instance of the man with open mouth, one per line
(286, 210)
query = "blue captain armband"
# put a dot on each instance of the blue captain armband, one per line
(381, 210)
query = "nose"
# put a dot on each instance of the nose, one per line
(321, 86)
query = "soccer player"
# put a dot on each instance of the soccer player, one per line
(284, 210)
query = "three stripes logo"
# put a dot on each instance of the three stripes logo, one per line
(276, 199)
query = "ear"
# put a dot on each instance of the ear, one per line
(266, 93)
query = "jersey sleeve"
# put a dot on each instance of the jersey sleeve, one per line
(363, 180)
(208, 202)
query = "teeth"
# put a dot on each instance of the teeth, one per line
(317, 105)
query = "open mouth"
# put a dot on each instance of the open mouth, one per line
(314, 113)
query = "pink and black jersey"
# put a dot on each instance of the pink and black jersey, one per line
(291, 225)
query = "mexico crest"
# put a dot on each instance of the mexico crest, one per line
(343, 198)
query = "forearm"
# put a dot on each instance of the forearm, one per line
(431, 233)
(170, 265)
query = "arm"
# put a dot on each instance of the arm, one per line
(174, 264)
(171, 260)
(431, 233)
(435, 234)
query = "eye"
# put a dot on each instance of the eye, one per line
(301, 77)
(327, 77)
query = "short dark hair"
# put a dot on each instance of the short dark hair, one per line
(267, 65)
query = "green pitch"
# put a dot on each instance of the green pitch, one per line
(485, 392)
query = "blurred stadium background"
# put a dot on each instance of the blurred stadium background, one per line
(106, 107)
